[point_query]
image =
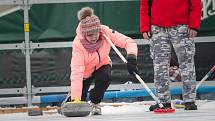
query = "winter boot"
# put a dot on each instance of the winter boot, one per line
(156, 106)
(96, 109)
(190, 106)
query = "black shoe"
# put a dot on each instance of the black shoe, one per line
(190, 106)
(156, 106)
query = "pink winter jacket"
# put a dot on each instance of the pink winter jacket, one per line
(83, 63)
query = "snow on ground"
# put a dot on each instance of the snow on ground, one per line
(127, 112)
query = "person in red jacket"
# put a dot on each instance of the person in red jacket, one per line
(172, 23)
(90, 57)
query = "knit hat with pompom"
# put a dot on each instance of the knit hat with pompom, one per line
(89, 23)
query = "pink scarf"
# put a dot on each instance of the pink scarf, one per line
(92, 47)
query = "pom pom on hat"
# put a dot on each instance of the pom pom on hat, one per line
(89, 23)
(84, 12)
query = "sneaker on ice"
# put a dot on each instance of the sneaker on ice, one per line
(96, 109)
(156, 106)
(190, 106)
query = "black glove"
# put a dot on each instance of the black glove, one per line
(132, 64)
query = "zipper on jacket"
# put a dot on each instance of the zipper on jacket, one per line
(99, 57)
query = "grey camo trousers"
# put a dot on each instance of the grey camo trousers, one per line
(162, 43)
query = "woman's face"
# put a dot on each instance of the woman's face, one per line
(92, 38)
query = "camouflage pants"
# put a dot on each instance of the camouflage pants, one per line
(160, 47)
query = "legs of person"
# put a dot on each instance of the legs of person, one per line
(160, 53)
(185, 50)
(102, 81)
(86, 86)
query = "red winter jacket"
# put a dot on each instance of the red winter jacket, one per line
(169, 13)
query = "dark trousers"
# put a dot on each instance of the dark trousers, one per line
(101, 79)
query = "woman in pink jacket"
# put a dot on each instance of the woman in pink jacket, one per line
(90, 57)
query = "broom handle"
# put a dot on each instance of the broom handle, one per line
(136, 75)
(205, 77)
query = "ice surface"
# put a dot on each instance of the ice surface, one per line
(126, 112)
